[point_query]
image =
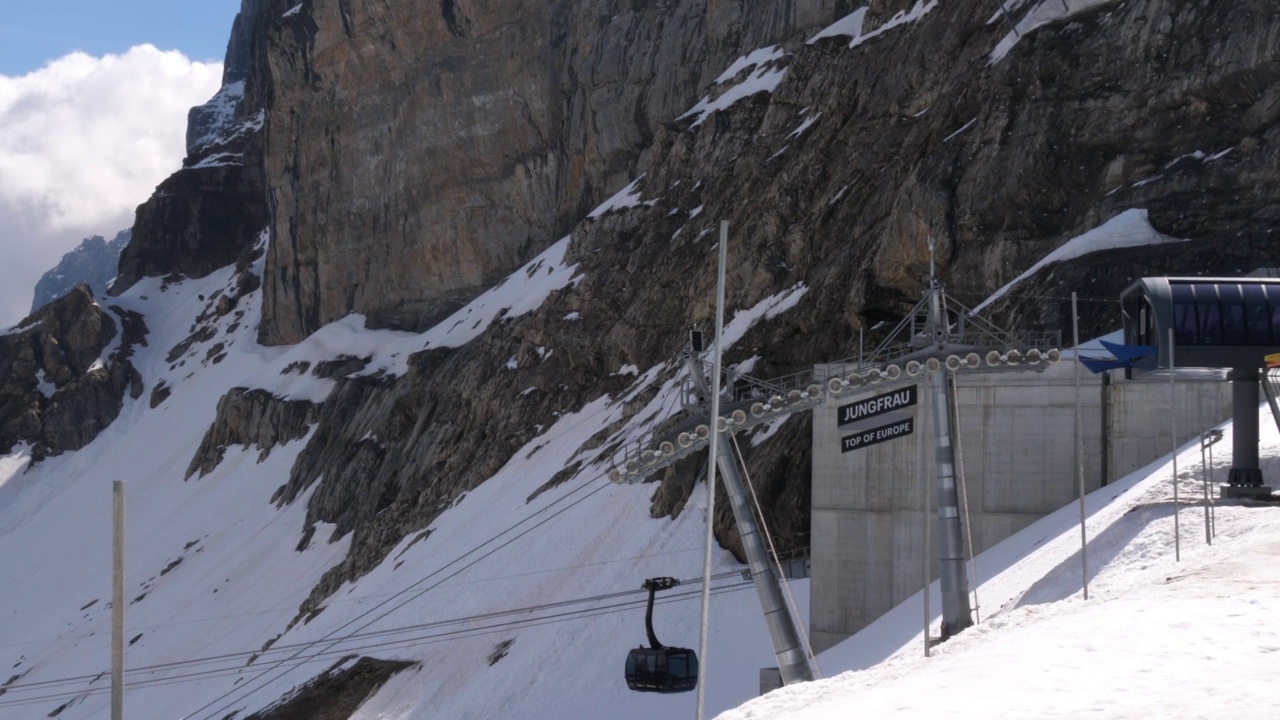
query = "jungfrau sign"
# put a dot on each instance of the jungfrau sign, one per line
(878, 405)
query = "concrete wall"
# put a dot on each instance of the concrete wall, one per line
(1018, 452)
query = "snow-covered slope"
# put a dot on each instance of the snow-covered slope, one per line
(520, 604)
(1158, 637)
(511, 606)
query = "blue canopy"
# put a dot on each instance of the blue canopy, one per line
(1097, 365)
(1129, 353)
(1125, 356)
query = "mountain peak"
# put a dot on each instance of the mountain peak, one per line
(92, 262)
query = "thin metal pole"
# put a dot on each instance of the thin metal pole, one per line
(925, 485)
(1012, 25)
(1204, 471)
(1173, 438)
(117, 600)
(1084, 534)
(1213, 507)
(964, 495)
(927, 541)
(711, 470)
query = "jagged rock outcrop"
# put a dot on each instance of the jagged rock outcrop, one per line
(206, 124)
(200, 219)
(415, 156)
(64, 373)
(999, 163)
(335, 694)
(251, 418)
(93, 263)
(212, 211)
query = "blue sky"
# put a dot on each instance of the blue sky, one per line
(34, 33)
(93, 110)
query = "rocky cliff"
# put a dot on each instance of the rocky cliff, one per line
(64, 372)
(417, 153)
(208, 214)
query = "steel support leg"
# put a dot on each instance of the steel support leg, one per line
(792, 661)
(956, 614)
(1244, 444)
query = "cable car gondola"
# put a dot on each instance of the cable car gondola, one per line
(659, 668)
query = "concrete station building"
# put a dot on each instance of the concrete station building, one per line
(1017, 449)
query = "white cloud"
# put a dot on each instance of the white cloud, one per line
(83, 141)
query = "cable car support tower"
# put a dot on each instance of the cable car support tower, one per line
(685, 438)
(939, 337)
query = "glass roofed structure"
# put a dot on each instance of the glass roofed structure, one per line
(1231, 323)
(1216, 322)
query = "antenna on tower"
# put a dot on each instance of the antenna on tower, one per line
(933, 277)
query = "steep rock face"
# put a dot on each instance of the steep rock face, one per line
(212, 211)
(414, 157)
(61, 379)
(251, 418)
(93, 263)
(200, 219)
(833, 184)
(1171, 107)
(915, 134)
(205, 123)
(1197, 141)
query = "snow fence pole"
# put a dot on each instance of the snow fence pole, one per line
(117, 600)
(1084, 536)
(926, 541)
(964, 494)
(714, 422)
(1213, 513)
(1173, 437)
(1204, 470)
